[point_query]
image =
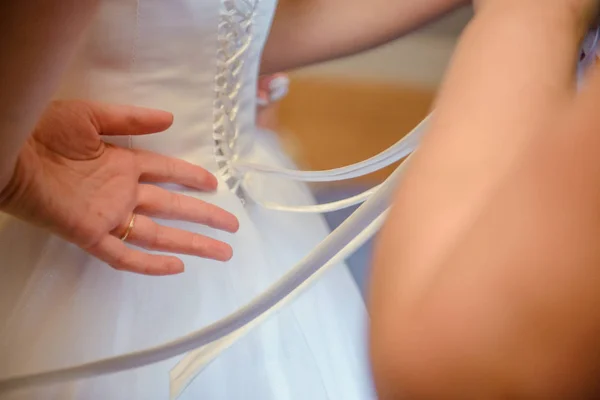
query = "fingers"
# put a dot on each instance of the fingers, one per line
(162, 169)
(115, 253)
(160, 203)
(272, 88)
(149, 235)
(111, 119)
(152, 236)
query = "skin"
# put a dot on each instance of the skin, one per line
(438, 315)
(47, 151)
(38, 40)
(70, 182)
(310, 31)
(484, 278)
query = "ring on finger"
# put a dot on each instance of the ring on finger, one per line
(129, 228)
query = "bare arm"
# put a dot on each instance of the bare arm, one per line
(309, 31)
(37, 38)
(485, 276)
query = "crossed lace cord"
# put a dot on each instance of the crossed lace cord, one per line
(235, 38)
(359, 227)
(387, 157)
(391, 155)
(184, 373)
(207, 343)
(194, 362)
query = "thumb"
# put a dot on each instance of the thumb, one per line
(111, 119)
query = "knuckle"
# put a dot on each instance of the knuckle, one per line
(154, 238)
(198, 243)
(214, 215)
(132, 118)
(57, 104)
(213, 221)
(171, 167)
(84, 109)
(121, 262)
(148, 270)
(176, 203)
(209, 219)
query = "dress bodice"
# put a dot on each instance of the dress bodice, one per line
(196, 58)
(62, 308)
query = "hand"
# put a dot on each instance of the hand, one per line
(272, 88)
(69, 181)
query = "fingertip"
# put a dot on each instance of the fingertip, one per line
(234, 224)
(174, 266)
(224, 253)
(226, 222)
(168, 118)
(162, 120)
(210, 183)
(203, 180)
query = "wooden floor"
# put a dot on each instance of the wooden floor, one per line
(330, 123)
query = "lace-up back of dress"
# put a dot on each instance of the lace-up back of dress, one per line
(235, 36)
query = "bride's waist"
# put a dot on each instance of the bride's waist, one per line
(256, 147)
(193, 150)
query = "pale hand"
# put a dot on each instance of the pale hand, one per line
(69, 181)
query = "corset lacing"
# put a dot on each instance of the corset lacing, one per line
(234, 40)
(207, 343)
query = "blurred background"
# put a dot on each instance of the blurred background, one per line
(342, 112)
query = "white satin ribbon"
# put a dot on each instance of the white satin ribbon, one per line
(213, 339)
(389, 156)
(194, 362)
(360, 220)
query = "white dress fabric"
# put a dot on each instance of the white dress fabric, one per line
(60, 307)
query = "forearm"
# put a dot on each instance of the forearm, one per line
(443, 303)
(309, 31)
(36, 41)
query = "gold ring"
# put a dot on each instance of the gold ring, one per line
(129, 228)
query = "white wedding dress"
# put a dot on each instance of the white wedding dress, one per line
(60, 307)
